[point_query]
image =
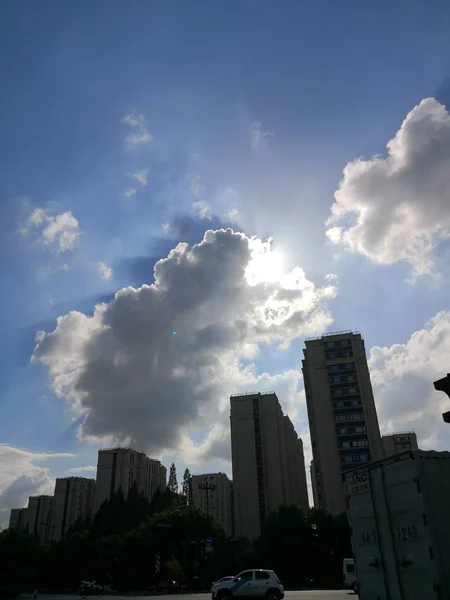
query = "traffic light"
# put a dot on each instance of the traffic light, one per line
(443, 385)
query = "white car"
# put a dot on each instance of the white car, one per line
(254, 583)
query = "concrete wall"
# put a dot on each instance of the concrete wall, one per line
(220, 499)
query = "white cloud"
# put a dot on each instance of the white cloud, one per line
(129, 192)
(258, 138)
(21, 477)
(202, 209)
(397, 208)
(140, 133)
(139, 176)
(104, 271)
(163, 358)
(83, 469)
(232, 214)
(60, 232)
(166, 227)
(402, 377)
(196, 185)
(331, 277)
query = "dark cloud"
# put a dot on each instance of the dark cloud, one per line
(159, 359)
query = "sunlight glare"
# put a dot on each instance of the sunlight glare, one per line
(266, 266)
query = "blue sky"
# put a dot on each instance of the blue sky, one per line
(148, 123)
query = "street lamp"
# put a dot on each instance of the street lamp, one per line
(443, 385)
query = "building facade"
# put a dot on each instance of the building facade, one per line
(264, 476)
(396, 443)
(297, 487)
(38, 516)
(121, 467)
(73, 501)
(18, 519)
(342, 416)
(213, 493)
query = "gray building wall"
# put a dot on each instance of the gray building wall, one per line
(73, 501)
(38, 515)
(17, 519)
(121, 467)
(218, 501)
(297, 489)
(341, 411)
(396, 443)
(265, 474)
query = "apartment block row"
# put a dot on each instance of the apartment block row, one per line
(79, 498)
(268, 460)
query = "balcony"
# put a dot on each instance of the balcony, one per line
(348, 437)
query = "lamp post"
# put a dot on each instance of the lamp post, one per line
(443, 385)
(207, 487)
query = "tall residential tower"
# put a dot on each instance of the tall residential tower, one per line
(341, 410)
(267, 458)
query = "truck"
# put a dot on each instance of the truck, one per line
(399, 513)
(349, 571)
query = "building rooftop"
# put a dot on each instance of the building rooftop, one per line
(332, 333)
(253, 394)
(76, 477)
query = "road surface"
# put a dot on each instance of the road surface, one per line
(304, 595)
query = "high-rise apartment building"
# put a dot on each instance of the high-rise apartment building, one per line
(264, 476)
(121, 467)
(213, 493)
(342, 416)
(396, 443)
(297, 488)
(38, 516)
(17, 519)
(73, 501)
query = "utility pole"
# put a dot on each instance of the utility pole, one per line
(443, 385)
(207, 487)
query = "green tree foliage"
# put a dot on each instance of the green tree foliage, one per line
(123, 539)
(186, 490)
(173, 482)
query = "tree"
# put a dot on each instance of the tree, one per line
(186, 489)
(285, 544)
(173, 482)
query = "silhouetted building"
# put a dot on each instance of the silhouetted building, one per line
(215, 497)
(341, 411)
(121, 467)
(17, 519)
(38, 516)
(267, 461)
(396, 443)
(73, 501)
